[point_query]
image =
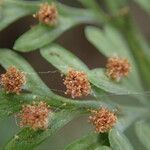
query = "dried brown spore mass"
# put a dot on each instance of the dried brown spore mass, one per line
(13, 80)
(47, 14)
(102, 119)
(117, 68)
(35, 116)
(77, 84)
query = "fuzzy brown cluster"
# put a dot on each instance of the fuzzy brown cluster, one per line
(103, 120)
(13, 80)
(77, 84)
(47, 14)
(117, 68)
(35, 116)
(124, 11)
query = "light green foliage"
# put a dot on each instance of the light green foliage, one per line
(62, 59)
(145, 4)
(118, 36)
(29, 139)
(118, 141)
(42, 35)
(143, 132)
(12, 10)
(81, 144)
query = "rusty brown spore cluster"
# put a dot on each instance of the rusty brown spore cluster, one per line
(47, 14)
(13, 80)
(77, 84)
(102, 119)
(35, 116)
(117, 68)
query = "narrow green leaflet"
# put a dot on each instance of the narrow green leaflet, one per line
(10, 104)
(100, 80)
(145, 4)
(89, 142)
(132, 114)
(90, 4)
(12, 10)
(42, 35)
(143, 132)
(62, 59)
(75, 12)
(34, 83)
(28, 139)
(100, 94)
(118, 141)
(103, 148)
(110, 43)
(94, 6)
(140, 51)
(115, 7)
(144, 44)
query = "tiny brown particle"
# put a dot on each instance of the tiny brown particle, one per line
(77, 84)
(102, 119)
(35, 116)
(116, 68)
(13, 80)
(47, 14)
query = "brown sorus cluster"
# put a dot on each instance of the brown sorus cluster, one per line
(13, 80)
(47, 14)
(102, 119)
(117, 68)
(77, 84)
(124, 11)
(35, 116)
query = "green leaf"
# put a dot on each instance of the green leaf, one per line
(140, 51)
(132, 114)
(42, 35)
(110, 43)
(90, 4)
(36, 86)
(143, 132)
(101, 95)
(34, 83)
(10, 104)
(12, 10)
(118, 141)
(62, 59)
(145, 4)
(100, 80)
(94, 6)
(28, 139)
(103, 148)
(114, 8)
(75, 12)
(88, 142)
